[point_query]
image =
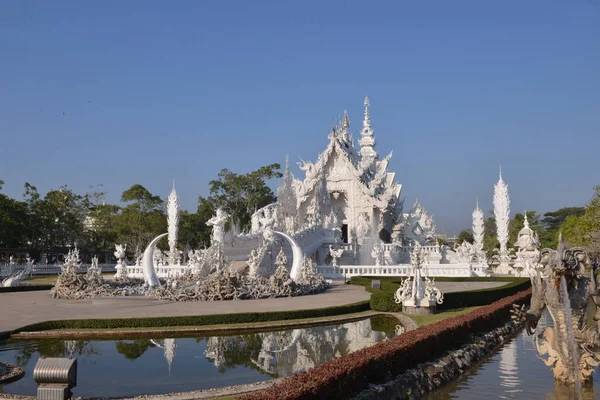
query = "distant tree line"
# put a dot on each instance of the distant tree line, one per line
(580, 226)
(62, 218)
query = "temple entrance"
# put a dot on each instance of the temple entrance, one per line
(345, 233)
(385, 236)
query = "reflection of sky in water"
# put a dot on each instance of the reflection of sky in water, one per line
(515, 372)
(141, 366)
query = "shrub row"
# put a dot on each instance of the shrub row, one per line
(194, 320)
(25, 288)
(384, 301)
(349, 375)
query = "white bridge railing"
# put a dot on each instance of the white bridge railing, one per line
(447, 270)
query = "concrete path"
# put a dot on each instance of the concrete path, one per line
(19, 309)
(23, 308)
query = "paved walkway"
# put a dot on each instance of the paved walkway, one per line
(24, 308)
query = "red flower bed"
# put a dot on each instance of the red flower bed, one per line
(347, 376)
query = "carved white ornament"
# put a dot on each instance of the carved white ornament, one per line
(173, 225)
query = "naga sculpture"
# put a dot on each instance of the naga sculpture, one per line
(559, 285)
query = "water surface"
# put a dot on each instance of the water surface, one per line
(156, 366)
(514, 372)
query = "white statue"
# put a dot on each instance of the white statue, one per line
(121, 266)
(412, 292)
(377, 253)
(335, 257)
(218, 224)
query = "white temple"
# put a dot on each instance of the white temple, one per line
(345, 215)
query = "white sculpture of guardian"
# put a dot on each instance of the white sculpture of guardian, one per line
(218, 224)
(335, 257)
(377, 254)
(121, 266)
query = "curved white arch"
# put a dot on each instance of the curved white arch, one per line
(297, 255)
(149, 273)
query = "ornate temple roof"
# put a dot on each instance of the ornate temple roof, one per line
(363, 165)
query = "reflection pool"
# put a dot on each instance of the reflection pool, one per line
(138, 366)
(514, 372)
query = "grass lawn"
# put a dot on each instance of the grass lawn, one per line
(421, 320)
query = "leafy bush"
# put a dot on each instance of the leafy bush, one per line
(349, 375)
(384, 301)
(194, 320)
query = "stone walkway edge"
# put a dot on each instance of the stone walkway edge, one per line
(106, 333)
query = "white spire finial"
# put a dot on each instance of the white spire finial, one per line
(346, 120)
(367, 120)
(500, 172)
(477, 203)
(526, 222)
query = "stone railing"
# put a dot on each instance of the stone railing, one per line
(447, 270)
(162, 271)
(52, 269)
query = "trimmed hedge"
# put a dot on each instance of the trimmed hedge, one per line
(31, 288)
(194, 320)
(473, 298)
(384, 301)
(347, 376)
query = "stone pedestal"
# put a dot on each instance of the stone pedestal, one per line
(419, 310)
(423, 307)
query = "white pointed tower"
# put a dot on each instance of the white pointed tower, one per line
(173, 224)
(478, 231)
(502, 215)
(367, 140)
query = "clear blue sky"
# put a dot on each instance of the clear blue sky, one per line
(124, 92)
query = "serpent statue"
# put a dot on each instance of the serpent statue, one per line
(560, 285)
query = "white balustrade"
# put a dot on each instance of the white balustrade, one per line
(448, 270)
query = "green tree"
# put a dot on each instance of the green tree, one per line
(13, 227)
(465, 234)
(240, 195)
(102, 230)
(585, 230)
(142, 219)
(490, 237)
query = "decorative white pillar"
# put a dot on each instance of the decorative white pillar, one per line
(478, 230)
(173, 225)
(502, 215)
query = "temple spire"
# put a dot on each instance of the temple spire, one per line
(367, 141)
(526, 222)
(367, 120)
(346, 120)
